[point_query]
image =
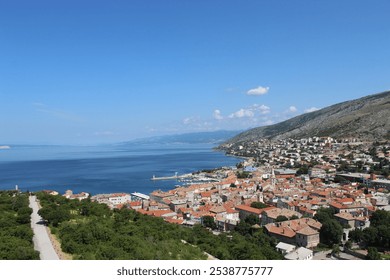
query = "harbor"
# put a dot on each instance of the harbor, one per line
(175, 177)
(188, 179)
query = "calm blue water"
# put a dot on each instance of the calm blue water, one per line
(103, 169)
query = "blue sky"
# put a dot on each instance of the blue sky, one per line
(78, 72)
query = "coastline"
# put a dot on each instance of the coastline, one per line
(127, 171)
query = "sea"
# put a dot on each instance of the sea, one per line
(104, 168)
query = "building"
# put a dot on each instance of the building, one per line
(178, 203)
(285, 248)
(270, 215)
(307, 237)
(139, 196)
(112, 199)
(245, 211)
(300, 254)
(300, 232)
(285, 173)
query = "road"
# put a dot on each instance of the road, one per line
(41, 238)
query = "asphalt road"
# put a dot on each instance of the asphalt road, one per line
(41, 238)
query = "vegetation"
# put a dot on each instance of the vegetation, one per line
(243, 175)
(281, 218)
(258, 205)
(89, 230)
(372, 254)
(331, 230)
(302, 169)
(377, 235)
(208, 221)
(15, 229)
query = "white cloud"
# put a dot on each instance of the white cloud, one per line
(190, 120)
(292, 109)
(312, 109)
(258, 91)
(242, 113)
(217, 115)
(263, 109)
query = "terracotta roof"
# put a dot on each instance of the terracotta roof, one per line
(274, 213)
(344, 216)
(345, 200)
(249, 209)
(231, 211)
(159, 213)
(174, 221)
(218, 209)
(135, 203)
(299, 224)
(205, 194)
(283, 231)
(307, 231)
(337, 205)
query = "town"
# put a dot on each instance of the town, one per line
(283, 186)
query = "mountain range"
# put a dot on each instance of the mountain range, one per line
(212, 137)
(365, 118)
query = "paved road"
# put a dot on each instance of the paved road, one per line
(41, 238)
(323, 255)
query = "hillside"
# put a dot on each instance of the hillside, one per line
(212, 137)
(365, 118)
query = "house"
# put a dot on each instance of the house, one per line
(302, 232)
(346, 219)
(224, 224)
(285, 173)
(269, 215)
(218, 210)
(113, 199)
(245, 211)
(300, 254)
(135, 205)
(178, 203)
(285, 248)
(80, 196)
(307, 237)
(316, 173)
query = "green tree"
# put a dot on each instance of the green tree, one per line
(336, 249)
(380, 217)
(258, 205)
(373, 254)
(243, 228)
(324, 214)
(370, 236)
(356, 235)
(331, 232)
(348, 244)
(252, 219)
(281, 218)
(209, 222)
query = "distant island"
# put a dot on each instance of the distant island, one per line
(5, 147)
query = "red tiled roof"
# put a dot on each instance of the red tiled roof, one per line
(283, 231)
(249, 209)
(174, 221)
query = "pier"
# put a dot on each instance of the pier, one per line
(175, 177)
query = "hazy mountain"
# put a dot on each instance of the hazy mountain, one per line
(214, 137)
(366, 118)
